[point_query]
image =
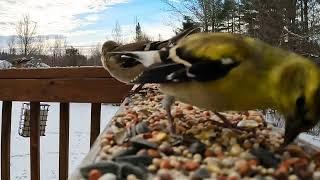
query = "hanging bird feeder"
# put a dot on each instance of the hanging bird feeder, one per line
(24, 124)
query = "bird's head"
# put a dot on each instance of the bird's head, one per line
(122, 68)
(300, 89)
(305, 117)
(108, 46)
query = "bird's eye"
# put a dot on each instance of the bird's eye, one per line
(307, 124)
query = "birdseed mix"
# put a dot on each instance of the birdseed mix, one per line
(138, 145)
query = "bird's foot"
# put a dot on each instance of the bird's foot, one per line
(172, 128)
(176, 139)
(227, 124)
(132, 92)
(135, 91)
(166, 103)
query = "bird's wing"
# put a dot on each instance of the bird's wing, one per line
(157, 45)
(175, 72)
(174, 40)
(147, 58)
(200, 57)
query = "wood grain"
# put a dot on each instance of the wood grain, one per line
(55, 73)
(5, 139)
(64, 141)
(85, 90)
(95, 122)
(35, 140)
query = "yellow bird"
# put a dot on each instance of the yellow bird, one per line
(221, 71)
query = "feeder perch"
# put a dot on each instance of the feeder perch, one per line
(24, 124)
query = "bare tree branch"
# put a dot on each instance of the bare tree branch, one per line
(117, 33)
(26, 31)
(11, 43)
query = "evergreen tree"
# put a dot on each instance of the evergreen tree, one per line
(139, 35)
(186, 24)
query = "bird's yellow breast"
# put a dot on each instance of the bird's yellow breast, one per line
(241, 89)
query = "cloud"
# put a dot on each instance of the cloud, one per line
(151, 29)
(83, 22)
(52, 16)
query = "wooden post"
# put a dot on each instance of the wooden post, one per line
(64, 141)
(5, 139)
(35, 140)
(95, 122)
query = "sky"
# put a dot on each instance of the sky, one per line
(87, 22)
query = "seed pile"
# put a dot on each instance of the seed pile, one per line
(138, 145)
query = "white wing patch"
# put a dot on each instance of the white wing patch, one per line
(227, 61)
(177, 59)
(147, 48)
(190, 74)
(170, 77)
(147, 58)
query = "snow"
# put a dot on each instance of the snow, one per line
(34, 63)
(5, 64)
(277, 120)
(49, 144)
(315, 140)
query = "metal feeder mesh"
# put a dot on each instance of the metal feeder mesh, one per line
(24, 124)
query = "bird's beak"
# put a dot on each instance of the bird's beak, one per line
(292, 130)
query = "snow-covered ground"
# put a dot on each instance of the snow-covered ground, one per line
(79, 140)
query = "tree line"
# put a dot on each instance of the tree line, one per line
(55, 51)
(289, 24)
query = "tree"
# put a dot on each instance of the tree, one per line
(290, 24)
(117, 33)
(209, 14)
(140, 36)
(95, 56)
(72, 51)
(4, 55)
(40, 45)
(186, 24)
(57, 48)
(26, 31)
(74, 58)
(11, 45)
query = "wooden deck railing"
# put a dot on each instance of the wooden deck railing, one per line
(86, 84)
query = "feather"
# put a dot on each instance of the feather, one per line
(175, 72)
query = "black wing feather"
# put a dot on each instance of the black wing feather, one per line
(211, 70)
(158, 73)
(173, 72)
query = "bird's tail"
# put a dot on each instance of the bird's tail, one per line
(174, 40)
(155, 45)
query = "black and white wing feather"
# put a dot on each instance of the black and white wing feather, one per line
(176, 72)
